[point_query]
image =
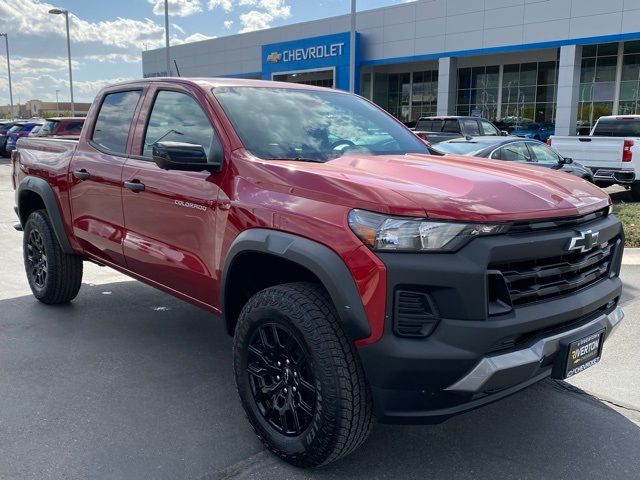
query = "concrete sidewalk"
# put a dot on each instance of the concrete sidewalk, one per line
(631, 256)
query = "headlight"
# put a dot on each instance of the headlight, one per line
(386, 233)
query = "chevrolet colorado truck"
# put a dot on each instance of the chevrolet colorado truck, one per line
(360, 276)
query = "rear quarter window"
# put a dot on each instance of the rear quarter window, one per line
(617, 128)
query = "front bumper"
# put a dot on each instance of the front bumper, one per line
(473, 357)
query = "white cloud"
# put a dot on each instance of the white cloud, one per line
(43, 87)
(226, 5)
(228, 24)
(255, 20)
(32, 66)
(177, 8)
(197, 37)
(261, 14)
(259, 20)
(113, 58)
(178, 28)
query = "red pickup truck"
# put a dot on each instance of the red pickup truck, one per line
(360, 274)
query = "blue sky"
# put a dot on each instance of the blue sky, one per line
(108, 35)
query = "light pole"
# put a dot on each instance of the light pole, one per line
(166, 36)
(57, 104)
(352, 49)
(57, 11)
(6, 41)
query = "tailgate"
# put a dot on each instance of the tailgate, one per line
(594, 152)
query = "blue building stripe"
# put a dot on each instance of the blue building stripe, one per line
(507, 48)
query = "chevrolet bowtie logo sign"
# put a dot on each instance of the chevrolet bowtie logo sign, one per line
(274, 57)
(584, 242)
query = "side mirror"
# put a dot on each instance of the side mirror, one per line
(504, 133)
(188, 157)
(566, 161)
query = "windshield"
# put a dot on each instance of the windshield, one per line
(15, 128)
(49, 126)
(458, 148)
(314, 125)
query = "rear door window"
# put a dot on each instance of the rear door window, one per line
(451, 126)
(513, 152)
(470, 127)
(543, 154)
(111, 130)
(614, 127)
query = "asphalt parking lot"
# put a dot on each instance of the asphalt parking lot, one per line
(130, 383)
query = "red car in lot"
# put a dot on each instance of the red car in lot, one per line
(61, 127)
(360, 275)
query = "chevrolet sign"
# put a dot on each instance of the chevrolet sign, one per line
(309, 53)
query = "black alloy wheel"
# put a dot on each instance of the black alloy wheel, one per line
(281, 379)
(37, 258)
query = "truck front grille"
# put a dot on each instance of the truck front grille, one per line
(534, 280)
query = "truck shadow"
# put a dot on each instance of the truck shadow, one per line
(127, 382)
(619, 195)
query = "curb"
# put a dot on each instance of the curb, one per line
(631, 256)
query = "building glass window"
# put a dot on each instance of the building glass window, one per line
(597, 84)
(365, 85)
(529, 93)
(630, 81)
(424, 94)
(477, 92)
(407, 96)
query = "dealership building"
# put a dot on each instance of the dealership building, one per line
(565, 62)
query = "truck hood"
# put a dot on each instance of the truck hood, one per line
(446, 187)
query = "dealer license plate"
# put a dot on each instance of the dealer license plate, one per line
(584, 353)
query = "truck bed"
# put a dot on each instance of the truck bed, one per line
(51, 156)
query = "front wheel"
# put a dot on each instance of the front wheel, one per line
(54, 276)
(298, 376)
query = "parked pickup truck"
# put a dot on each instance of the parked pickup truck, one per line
(360, 276)
(611, 151)
(439, 129)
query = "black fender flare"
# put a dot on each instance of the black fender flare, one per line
(45, 192)
(323, 262)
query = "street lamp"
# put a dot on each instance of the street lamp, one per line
(166, 36)
(6, 41)
(352, 49)
(57, 11)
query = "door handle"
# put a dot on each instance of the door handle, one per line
(81, 174)
(134, 185)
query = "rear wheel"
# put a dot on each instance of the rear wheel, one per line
(54, 277)
(298, 376)
(635, 191)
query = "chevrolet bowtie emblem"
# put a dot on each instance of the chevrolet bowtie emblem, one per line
(584, 242)
(274, 57)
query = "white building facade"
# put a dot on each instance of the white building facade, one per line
(565, 62)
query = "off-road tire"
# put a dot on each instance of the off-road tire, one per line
(343, 416)
(635, 191)
(63, 276)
